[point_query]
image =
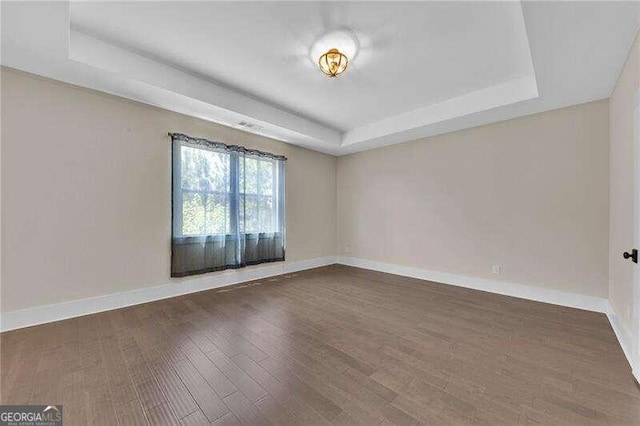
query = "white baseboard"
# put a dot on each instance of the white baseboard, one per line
(75, 308)
(624, 338)
(539, 294)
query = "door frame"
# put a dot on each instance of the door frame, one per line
(635, 338)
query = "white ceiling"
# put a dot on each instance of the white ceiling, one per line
(423, 68)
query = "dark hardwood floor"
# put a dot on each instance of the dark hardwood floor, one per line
(333, 345)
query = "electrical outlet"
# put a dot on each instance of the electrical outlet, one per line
(496, 269)
(347, 249)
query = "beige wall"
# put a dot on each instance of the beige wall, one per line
(86, 192)
(86, 196)
(530, 194)
(621, 185)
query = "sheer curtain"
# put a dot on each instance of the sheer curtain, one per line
(228, 206)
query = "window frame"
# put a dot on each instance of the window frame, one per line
(234, 193)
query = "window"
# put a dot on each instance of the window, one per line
(228, 206)
(206, 192)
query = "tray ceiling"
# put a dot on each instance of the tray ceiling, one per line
(422, 68)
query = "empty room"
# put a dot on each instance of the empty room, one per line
(317, 213)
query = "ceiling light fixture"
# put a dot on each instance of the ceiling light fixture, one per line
(333, 63)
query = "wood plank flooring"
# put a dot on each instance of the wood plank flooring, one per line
(333, 345)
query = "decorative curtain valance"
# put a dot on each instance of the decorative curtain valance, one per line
(219, 145)
(228, 206)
